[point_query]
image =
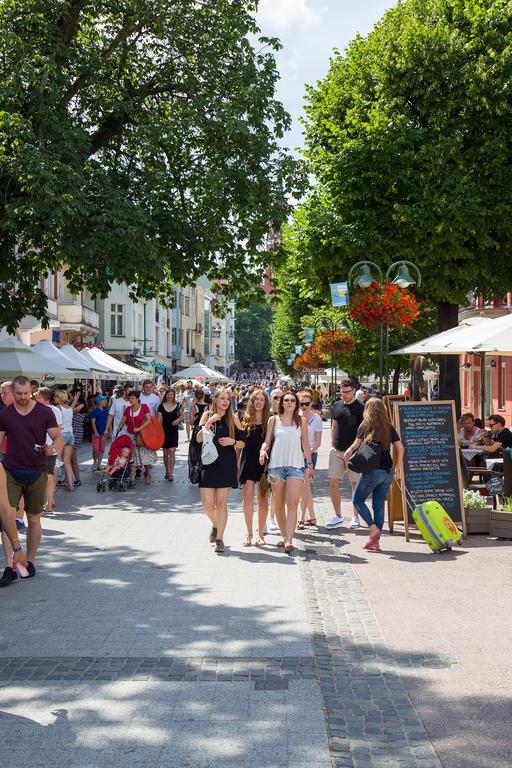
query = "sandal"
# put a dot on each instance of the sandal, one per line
(166, 476)
(280, 543)
(289, 548)
(311, 521)
(260, 541)
(247, 542)
(301, 525)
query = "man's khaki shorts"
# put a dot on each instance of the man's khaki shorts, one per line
(338, 468)
(34, 493)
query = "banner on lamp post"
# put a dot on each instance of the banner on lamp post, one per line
(298, 349)
(309, 334)
(339, 294)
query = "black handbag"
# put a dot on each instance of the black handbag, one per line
(367, 457)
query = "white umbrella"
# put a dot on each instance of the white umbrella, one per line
(454, 341)
(115, 364)
(200, 371)
(106, 370)
(495, 337)
(50, 352)
(17, 359)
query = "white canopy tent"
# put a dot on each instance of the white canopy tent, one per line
(98, 372)
(200, 371)
(106, 370)
(117, 365)
(50, 352)
(17, 359)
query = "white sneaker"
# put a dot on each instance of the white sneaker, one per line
(336, 522)
(272, 526)
(354, 523)
(93, 468)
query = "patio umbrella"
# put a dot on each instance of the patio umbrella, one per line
(98, 372)
(17, 359)
(454, 341)
(115, 364)
(107, 371)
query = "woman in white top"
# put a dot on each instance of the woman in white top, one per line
(61, 400)
(314, 423)
(287, 436)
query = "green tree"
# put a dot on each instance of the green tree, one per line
(408, 138)
(139, 142)
(252, 333)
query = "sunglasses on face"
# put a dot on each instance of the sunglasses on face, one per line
(276, 397)
(304, 405)
(288, 400)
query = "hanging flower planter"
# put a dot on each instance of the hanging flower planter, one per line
(334, 342)
(311, 358)
(384, 304)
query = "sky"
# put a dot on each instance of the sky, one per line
(309, 30)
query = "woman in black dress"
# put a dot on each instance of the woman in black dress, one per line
(169, 416)
(218, 478)
(198, 407)
(252, 477)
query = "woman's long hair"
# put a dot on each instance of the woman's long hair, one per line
(296, 414)
(375, 427)
(230, 419)
(249, 420)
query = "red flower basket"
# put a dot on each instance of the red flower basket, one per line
(311, 358)
(384, 304)
(334, 342)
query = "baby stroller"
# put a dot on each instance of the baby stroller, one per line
(122, 478)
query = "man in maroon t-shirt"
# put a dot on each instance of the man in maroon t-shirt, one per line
(26, 423)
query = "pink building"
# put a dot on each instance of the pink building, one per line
(498, 368)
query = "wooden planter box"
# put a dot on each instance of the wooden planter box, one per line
(501, 524)
(478, 520)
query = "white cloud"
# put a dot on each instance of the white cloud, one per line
(282, 15)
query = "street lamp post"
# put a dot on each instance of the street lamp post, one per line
(403, 279)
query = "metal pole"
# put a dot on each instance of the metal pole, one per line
(386, 358)
(144, 331)
(381, 353)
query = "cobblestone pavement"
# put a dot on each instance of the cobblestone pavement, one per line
(136, 645)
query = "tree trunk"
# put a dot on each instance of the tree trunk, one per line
(396, 380)
(449, 376)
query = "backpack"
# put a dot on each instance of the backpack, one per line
(153, 435)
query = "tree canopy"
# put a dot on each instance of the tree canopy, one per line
(139, 142)
(408, 139)
(252, 333)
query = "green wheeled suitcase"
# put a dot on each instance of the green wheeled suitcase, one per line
(434, 524)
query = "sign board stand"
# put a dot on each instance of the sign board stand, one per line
(431, 468)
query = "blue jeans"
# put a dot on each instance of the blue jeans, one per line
(376, 482)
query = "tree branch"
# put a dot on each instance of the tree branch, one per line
(69, 23)
(112, 126)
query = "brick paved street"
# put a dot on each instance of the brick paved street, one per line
(136, 645)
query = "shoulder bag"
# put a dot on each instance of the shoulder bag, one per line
(209, 452)
(366, 458)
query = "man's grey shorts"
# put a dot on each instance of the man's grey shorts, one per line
(338, 468)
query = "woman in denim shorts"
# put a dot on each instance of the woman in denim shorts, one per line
(61, 400)
(287, 436)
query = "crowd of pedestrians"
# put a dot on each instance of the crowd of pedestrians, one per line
(262, 436)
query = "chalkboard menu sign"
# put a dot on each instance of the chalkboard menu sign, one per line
(431, 469)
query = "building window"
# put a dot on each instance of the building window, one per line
(116, 320)
(174, 336)
(181, 338)
(217, 350)
(186, 310)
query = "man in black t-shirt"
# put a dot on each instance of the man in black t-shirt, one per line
(347, 416)
(502, 437)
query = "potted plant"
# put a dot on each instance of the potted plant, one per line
(501, 520)
(477, 512)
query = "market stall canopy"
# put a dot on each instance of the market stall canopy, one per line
(51, 352)
(327, 377)
(99, 372)
(454, 341)
(495, 337)
(109, 373)
(117, 365)
(200, 371)
(195, 382)
(16, 359)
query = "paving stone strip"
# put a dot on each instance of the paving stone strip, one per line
(269, 673)
(371, 721)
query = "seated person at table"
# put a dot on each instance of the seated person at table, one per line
(469, 434)
(501, 436)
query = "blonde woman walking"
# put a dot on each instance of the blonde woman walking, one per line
(252, 477)
(218, 478)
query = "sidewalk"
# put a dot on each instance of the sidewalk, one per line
(135, 645)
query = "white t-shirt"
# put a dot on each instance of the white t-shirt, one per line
(152, 401)
(66, 419)
(314, 426)
(188, 396)
(58, 417)
(117, 409)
